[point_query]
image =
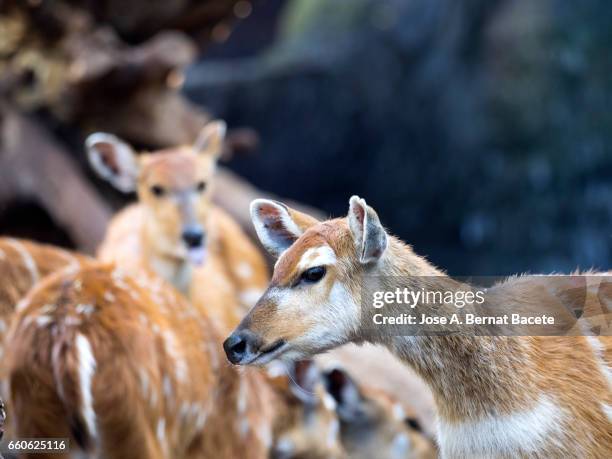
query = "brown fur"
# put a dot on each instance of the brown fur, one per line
(22, 264)
(159, 372)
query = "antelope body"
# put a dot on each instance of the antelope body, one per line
(174, 230)
(22, 265)
(126, 368)
(498, 396)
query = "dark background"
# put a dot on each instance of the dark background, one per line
(479, 130)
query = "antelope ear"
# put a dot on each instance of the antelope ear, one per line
(346, 394)
(277, 225)
(113, 160)
(369, 235)
(211, 137)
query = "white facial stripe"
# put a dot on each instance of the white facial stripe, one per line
(509, 435)
(316, 256)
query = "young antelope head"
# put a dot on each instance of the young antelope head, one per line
(173, 186)
(313, 301)
(373, 424)
(307, 427)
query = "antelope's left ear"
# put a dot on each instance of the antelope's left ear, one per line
(304, 376)
(346, 394)
(211, 137)
(369, 235)
(277, 225)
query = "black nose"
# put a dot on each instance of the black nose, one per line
(240, 346)
(193, 237)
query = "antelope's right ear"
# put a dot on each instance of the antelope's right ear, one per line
(277, 225)
(368, 233)
(113, 160)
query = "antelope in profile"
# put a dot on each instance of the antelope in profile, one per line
(126, 368)
(502, 396)
(174, 230)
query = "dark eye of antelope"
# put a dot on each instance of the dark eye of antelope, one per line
(201, 186)
(158, 190)
(313, 275)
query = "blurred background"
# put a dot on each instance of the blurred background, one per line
(480, 130)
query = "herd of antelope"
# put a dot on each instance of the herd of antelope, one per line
(127, 355)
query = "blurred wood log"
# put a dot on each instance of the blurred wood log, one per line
(70, 58)
(34, 167)
(112, 66)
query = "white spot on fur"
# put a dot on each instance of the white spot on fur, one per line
(284, 447)
(201, 419)
(72, 321)
(22, 304)
(244, 270)
(86, 370)
(265, 435)
(400, 445)
(174, 352)
(144, 380)
(43, 321)
(518, 434)
(2, 255)
(47, 309)
(86, 309)
(599, 351)
(316, 256)
(275, 369)
(607, 409)
(167, 385)
(398, 412)
(332, 434)
(2, 326)
(328, 402)
(161, 430)
(241, 399)
(108, 296)
(243, 427)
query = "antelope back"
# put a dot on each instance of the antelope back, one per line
(127, 369)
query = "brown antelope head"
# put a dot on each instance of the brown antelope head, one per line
(313, 301)
(307, 426)
(173, 185)
(372, 424)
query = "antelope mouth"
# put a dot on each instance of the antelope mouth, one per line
(269, 353)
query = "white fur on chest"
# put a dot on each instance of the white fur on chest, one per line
(521, 433)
